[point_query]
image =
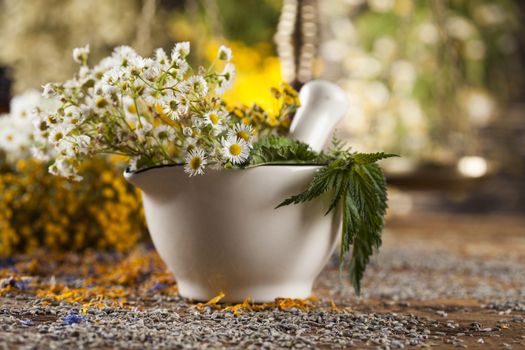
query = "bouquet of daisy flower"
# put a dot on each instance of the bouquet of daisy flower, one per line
(159, 111)
(156, 111)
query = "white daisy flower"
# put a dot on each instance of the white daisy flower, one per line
(22, 105)
(39, 154)
(81, 144)
(170, 108)
(63, 168)
(125, 56)
(136, 65)
(80, 54)
(74, 116)
(153, 98)
(58, 133)
(48, 91)
(229, 73)
(181, 67)
(139, 87)
(106, 89)
(190, 144)
(197, 84)
(151, 72)
(162, 58)
(181, 50)
(187, 131)
(216, 153)
(224, 54)
(164, 133)
(214, 119)
(104, 65)
(10, 141)
(235, 149)
(112, 76)
(195, 162)
(143, 129)
(242, 131)
(84, 73)
(130, 110)
(183, 103)
(225, 79)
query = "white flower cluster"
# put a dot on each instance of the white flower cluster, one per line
(153, 110)
(16, 128)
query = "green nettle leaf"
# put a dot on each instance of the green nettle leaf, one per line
(279, 150)
(367, 201)
(355, 182)
(366, 158)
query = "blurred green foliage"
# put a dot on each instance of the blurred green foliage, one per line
(251, 21)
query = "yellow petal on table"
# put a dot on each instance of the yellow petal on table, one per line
(216, 299)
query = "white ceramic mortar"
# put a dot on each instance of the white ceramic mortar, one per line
(220, 232)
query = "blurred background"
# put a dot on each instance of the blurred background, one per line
(439, 82)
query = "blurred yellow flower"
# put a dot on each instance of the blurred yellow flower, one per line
(258, 69)
(38, 209)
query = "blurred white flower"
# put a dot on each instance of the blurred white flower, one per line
(403, 76)
(428, 33)
(17, 127)
(333, 50)
(13, 139)
(224, 53)
(480, 107)
(357, 121)
(354, 2)
(225, 79)
(80, 54)
(362, 65)
(377, 94)
(381, 5)
(460, 28)
(490, 14)
(385, 48)
(22, 105)
(181, 50)
(344, 30)
(411, 114)
(385, 128)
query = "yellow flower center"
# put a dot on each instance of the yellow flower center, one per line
(51, 119)
(195, 163)
(214, 119)
(235, 149)
(58, 136)
(101, 102)
(243, 135)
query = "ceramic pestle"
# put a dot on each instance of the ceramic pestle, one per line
(323, 105)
